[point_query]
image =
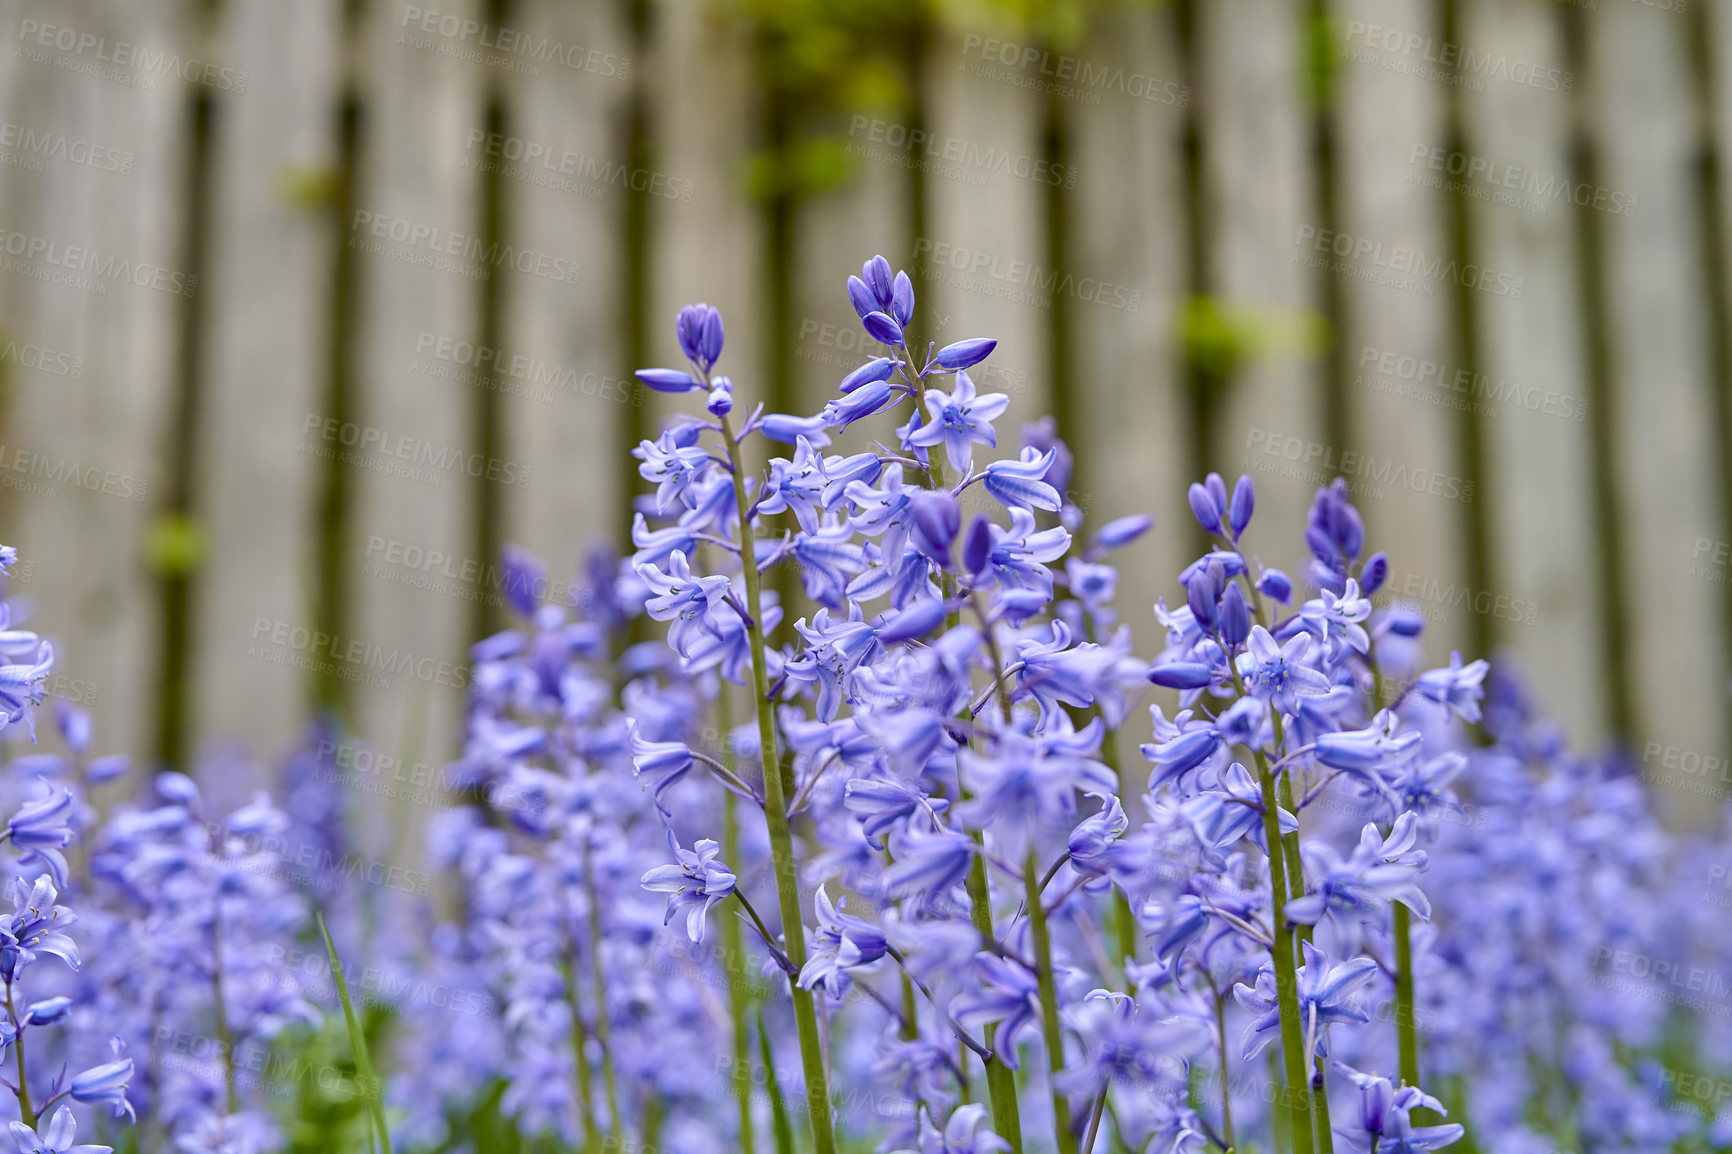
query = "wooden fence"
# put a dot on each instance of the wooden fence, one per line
(307, 307)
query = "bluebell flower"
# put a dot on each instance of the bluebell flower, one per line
(1187, 746)
(796, 485)
(57, 1137)
(964, 354)
(105, 1085)
(34, 927)
(842, 942)
(789, 429)
(928, 864)
(1092, 840)
(1019, 554)
(1279, 674)
(1360, 887)
(689, 602)
(961, 419)
(1336, 618)
(1459, 687)
(966, 1132)
(1369, 754)
(699, 329)
(1022, 785)
(1385, 1125)
(867, 397)
(1025, 483)
(674, 463)
(695, 884)
(834, 649)
(1276, 585)
(882, 804)
(1231, 810)
(1324, 998)
(41, 829)
(1006, 995)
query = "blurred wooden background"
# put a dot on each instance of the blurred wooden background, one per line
(1471, 252)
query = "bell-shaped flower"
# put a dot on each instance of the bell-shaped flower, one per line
(1022, 483)
(696, 883)
(1385, 1123)
(1360, 887)
(1325, 997)
(1007, 996)
(1280, 674)
(841, 943)
(960, 420)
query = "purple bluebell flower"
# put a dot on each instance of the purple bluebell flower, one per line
(1024, 483)
(58, 1137)
(689, 602)
(695, 884)
(961, 419)
(1006, 995)
(842, 942)
(1324, 999)
(789, 429)
(1280, 674)
(1274, 584)
(1018, 555)
(966, 1132)
(699, 329)
(1360, 887)
(964, 354)
(1459, 687)
(42, 829)
(1385, 1124)
(105, 1085)
(668, 380)
(675, 464)
(1243, 504)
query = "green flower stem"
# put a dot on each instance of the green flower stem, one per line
(1048, 1004)
(1286, 980)
(25, 1111)
(1406, 1036)
(1401, 929)
(603, 1022)
(1226, 1078)
(739, 989)
(1320, 1102)
(1000, 1079)
(776, 818)
(584, 1076)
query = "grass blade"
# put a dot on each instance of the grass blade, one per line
(375, 1089)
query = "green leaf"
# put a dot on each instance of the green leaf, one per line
(358, 1043)
(778, 1108)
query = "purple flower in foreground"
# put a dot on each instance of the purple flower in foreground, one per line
(1279, 673)
(965, 1133)
(56, 1138)
(696, 884)
(105, 1085)
(1460, 687)
(961, 419)
(1384, 1122)
(841, 942)
(41, 830)
(1007, 996)
(1323, 1000)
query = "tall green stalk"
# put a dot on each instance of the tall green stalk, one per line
(1054, 1032)
(776, 818)
(1406, 1036)
(739, 990)
(1000, 1079)
(1298, 1095)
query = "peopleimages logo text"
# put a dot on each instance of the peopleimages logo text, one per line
(121, 54)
